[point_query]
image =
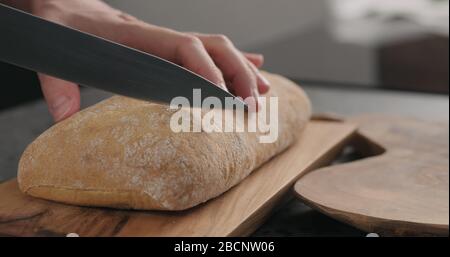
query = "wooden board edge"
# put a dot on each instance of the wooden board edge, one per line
(383, 227)
(264, 212)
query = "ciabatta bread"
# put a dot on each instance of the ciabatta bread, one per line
(121, 153)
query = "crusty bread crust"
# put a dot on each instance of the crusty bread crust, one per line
(121, 153)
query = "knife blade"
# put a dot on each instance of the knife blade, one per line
(43, 46)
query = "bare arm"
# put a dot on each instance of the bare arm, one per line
(212, 56)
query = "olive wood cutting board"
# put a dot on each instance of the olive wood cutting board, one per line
(237, 212)
(400, 188)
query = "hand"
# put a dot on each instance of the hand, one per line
(211, 56)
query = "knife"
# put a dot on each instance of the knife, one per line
(43, 46)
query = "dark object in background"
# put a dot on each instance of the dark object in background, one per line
(415, 65)
(18, 86)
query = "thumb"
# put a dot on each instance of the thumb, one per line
(62, 97)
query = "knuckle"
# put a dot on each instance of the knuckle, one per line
(190, 41)
(218, 73)
(222, 39)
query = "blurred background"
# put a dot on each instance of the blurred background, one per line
(396, 44)
(401, 45)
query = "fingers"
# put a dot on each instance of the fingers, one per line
(211, 56)
(62, 97)
(232, 63)
(263, 83)
(226, 55)
(256, 59)
(192, 55)
(182, 48)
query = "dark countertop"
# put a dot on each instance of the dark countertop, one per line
(20, 125)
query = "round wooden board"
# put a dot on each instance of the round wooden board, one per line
(403, 189)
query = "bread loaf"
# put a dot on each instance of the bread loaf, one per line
(121, 153)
